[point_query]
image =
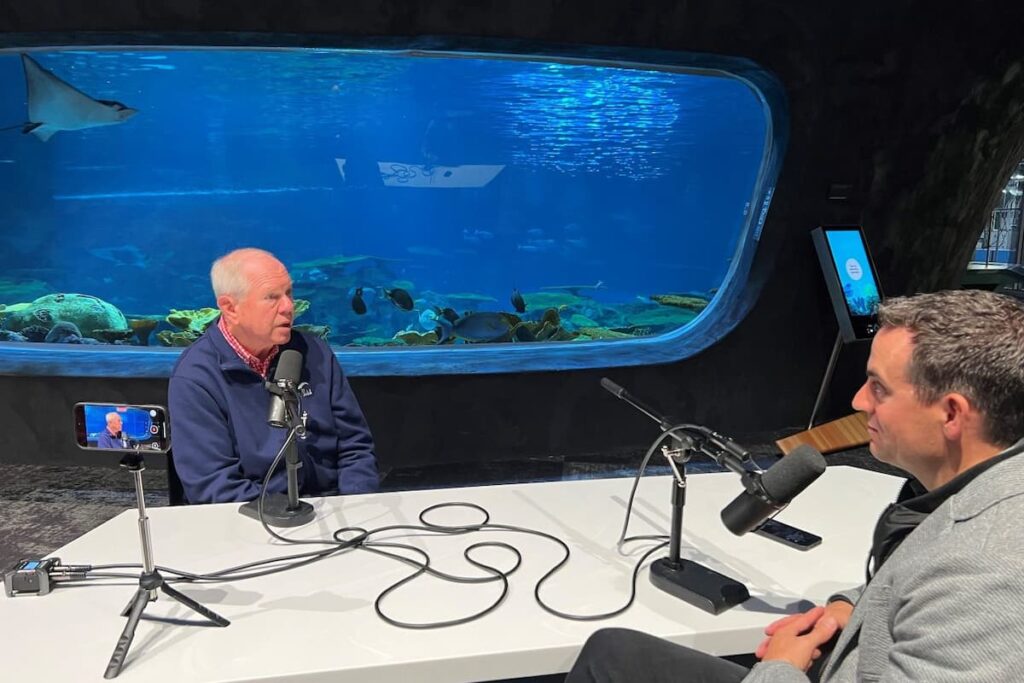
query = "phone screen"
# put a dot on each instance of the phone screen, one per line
(111, 426)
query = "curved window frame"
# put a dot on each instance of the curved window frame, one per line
(731, 303)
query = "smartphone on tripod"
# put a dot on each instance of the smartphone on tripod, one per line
(124, 427)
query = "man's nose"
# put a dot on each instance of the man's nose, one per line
(860, 401)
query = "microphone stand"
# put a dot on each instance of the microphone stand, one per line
(285, 510)
(150, 580)
(689, 581)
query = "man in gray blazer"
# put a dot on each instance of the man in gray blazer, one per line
(944, 598)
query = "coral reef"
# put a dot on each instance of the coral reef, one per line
(88, 313)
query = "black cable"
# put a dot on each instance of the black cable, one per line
(363, 540)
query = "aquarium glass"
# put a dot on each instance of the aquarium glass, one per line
(439, 211)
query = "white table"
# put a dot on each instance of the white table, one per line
(317, 623)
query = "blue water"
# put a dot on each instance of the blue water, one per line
(638, 182)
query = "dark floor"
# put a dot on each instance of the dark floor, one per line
(44, 507)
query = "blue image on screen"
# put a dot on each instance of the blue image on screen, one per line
(850, 258)
(135, 422)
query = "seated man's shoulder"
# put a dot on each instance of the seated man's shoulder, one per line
(997, 493)
(197, 359)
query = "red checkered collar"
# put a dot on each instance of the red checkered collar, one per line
(260, 367)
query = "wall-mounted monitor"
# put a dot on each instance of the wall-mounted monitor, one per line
(850, 278)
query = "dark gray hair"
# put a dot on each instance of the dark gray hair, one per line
(970, 342)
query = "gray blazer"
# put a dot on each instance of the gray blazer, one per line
(948, 604)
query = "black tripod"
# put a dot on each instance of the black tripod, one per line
(150, 580)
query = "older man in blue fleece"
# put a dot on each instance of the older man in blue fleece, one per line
(218, 404)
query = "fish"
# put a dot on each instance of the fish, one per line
(127, 255)
(476, 236)
(475, 327)
(424, 251)
(575, 289)
(54, 105)
(400, 298)
(517, 301)
(358, 305)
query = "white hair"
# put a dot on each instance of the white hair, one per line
(111, 416)
(227, 275)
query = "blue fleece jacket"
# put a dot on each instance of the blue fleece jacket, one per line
(108, 440)
(223, 446)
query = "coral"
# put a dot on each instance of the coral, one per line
(62, 332)
(192, 320)
(602, 333)
(35, 333)
(113, 336)
(142, 326)
(374, 341)
(579, 321)
(88, 313)
(687, 301)
(171, 338)
(322, 331)
(414, 338)
(664, 317)
(551, 317)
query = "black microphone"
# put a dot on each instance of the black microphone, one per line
(286, 377)
(729, 454)
(770, 491)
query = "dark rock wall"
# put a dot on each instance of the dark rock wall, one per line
(917, 105)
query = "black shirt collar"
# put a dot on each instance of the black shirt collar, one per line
(914, 503)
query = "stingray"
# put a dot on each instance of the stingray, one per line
(54, 105)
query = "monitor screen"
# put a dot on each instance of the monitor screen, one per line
(850, 276)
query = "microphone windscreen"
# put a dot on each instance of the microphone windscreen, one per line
(289, 366)
(791, 475)
(612, 386)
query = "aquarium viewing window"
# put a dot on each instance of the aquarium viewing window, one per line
(440, 210)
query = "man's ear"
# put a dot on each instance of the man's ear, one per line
(227, 307)
(958, 415)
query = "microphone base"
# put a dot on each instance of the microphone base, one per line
(277, 513)
(698, 585)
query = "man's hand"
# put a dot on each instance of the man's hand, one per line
(799, 640)
(840, 610)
